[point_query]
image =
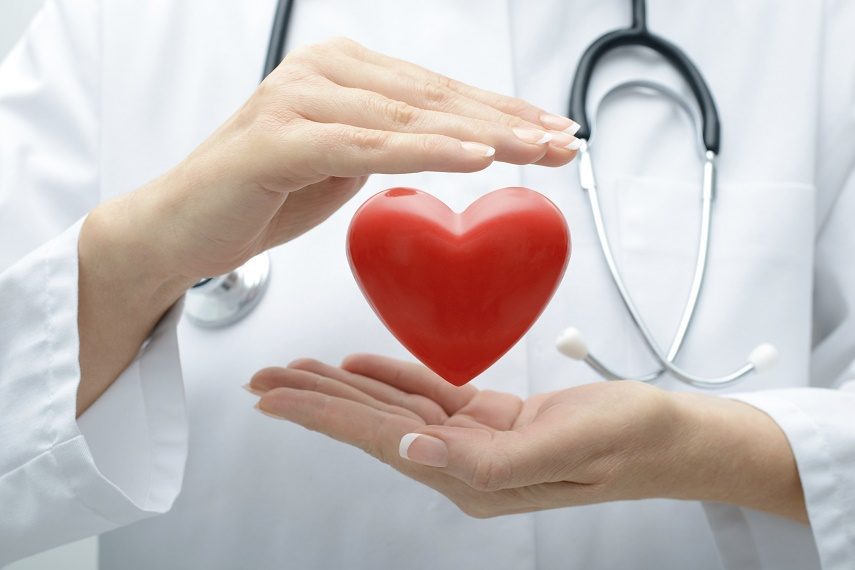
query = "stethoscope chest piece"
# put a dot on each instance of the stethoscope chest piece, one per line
(224, 300)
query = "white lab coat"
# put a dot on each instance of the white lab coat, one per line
(101, 96)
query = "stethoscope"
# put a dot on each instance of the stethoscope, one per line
(223, 300)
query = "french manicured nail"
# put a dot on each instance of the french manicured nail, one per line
(559, 123)
(561, 139)
(424, 449)
(478, 148)
(533, 136)
(575, 144)
(252, 390)
(266, 413)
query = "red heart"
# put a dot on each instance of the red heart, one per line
(458, 290)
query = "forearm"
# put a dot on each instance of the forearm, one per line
(736, 454)
(123, 292)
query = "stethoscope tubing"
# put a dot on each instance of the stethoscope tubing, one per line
(588, 183)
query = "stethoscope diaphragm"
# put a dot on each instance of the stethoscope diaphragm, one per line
(223, 300)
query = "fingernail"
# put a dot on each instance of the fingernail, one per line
(574, 129)
(252, 390)
(576, 144)
(424, 449)
(478, 148)
(266, 413)
(561, 139)
(559, 123)
(533, 136)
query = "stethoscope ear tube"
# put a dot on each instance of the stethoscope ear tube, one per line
(578, 109)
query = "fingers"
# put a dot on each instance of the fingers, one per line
(339, 82)
(270, 378)
(440, 85)
(344, 151)
(365, 427)
(467, 467)
(438, 93)
(412, 378)
(524, 144)
(428, 410)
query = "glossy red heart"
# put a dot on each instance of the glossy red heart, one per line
(458, 290)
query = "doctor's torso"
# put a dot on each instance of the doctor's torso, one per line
(265, 494)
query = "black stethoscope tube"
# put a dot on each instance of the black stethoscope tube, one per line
(278, 35)
(639, 35)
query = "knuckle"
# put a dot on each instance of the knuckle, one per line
(294, 73)
(367, 140)
(301, 53)
(432, 145)
(492, 472)
(400, 113)
(317, 57)
(343, 44)
(445, 82)
(435, 94)
(514, 105)
(508, 120)
(307, 56)
(270, 89)
(287, 85)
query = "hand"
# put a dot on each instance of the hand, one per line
(494, 454)
(329, 116)
(304, 143)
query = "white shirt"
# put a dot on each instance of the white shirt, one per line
(100, 97)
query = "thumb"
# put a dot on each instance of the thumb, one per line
(484, 460)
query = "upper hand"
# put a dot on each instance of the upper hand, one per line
(493, 453)
(329, 116)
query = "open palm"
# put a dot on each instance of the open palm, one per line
(489, 452)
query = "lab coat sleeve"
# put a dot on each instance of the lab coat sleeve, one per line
(819, 419)
(62, 479)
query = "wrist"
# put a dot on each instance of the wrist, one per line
(734, 453)
(120, 249)
(124, 290)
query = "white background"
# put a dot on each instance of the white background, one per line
(14, 17)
